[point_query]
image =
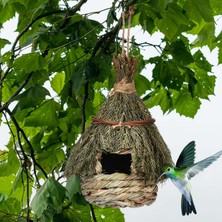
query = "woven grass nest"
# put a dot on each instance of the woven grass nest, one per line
(120, 155)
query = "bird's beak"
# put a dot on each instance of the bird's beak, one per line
(160, 176)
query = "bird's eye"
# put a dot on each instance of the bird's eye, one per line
(168, 169)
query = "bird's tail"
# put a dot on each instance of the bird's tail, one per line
(186, 207)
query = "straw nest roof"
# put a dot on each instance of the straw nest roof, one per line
(123, 125)
(148, 149)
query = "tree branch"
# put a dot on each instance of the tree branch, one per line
(32, 151)
(23, 161)
(21, 34)
(26, 172)
(93, 213)
(107, 38)
(30, 25)
(83, 111)
(72, 12)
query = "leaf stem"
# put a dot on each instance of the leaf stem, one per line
(93, 213)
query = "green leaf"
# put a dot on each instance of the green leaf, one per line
(10, 209)
(45, 115)
(160, 4)
(4, 2)
(74, 213)
(205, 85)
(146, 17)
(31, 97)
(73, 186)
(198, 10)
(173, 22)
(8, 89)
(18, 182)
(4, 42)
(7, 12)
(142, 84)
(58, 82)
(20, 186)
(159, 97)
(220, 52)
(185, 104)
(201, 61)
(168, 74)
(190, 76)
(30, 62)
(6, 184)
(216, 6)
(205, 32)
(3, 156)
(11, 163)
(51, 156)
(111, 16)
(36, 140)
(3, 197)
(50, 195)
(107, 214)
(180, 53)
(78, 77)
(98, 100)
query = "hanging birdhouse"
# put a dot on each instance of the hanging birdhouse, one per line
(121, 154)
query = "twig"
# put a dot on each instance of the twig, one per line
(13, 136)
(30, 25)
(107, 38)
(144, 44)
(26, 172)
(66, 4)
(23, 163)
(83, 108)
(32, 151)
(23, 152)
(93, 213)
(21, 34)
(96, 12)
(72, 12)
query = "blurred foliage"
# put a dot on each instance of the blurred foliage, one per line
(53, 79)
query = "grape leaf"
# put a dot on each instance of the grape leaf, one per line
(50, 195)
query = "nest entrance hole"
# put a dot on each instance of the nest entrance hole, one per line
(116, 163)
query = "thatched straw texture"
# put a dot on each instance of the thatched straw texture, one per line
(149, 151)
(145, 144)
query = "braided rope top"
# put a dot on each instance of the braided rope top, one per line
(123, 87)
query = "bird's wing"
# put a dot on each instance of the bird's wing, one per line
(201, 165)
(183, 187)
(187, 208)
(187, 156)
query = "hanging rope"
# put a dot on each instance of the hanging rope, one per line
(128, 33)
(123, 33)
(129, 14)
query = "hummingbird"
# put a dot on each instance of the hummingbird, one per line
(183, 171)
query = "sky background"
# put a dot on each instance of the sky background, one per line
(177, 131)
